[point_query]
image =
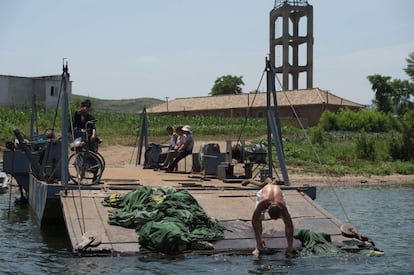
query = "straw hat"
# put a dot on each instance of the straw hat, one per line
(186, 128)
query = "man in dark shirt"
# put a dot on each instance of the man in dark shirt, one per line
(82, 119)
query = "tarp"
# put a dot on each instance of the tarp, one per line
(319, 243)
(167, 220)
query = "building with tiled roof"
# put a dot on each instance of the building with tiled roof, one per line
(309, 104)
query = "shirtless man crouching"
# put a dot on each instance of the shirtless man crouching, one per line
(270, 198)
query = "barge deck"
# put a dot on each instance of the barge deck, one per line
(231, 203)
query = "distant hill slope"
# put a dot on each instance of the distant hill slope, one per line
(134, 105)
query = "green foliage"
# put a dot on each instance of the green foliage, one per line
(383, 90)
(227, 84)
(402, 146)
(209, 125)
(403, 168)
(410, 66)
(394, 95)
(401, 97)
(328, 121)
(318, 136)
(365, 147)
(362, 120)
(19, 118)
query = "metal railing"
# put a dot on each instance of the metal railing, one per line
(279, 3)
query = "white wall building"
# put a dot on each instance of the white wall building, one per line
(19, 91)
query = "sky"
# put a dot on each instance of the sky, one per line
(174, 49)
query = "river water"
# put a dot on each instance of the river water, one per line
(385, 213)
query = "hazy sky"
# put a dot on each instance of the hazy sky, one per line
(158, 48)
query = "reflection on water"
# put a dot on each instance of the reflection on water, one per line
(385, 213)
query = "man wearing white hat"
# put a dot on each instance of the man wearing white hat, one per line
(184, 149)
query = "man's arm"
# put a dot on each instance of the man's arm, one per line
(93, 136)
(184, 145)
(288, 229)
(257, 226)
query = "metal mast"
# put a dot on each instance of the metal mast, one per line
(65, 125)
(274, 133)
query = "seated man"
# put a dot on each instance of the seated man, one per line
(173, 152)
(184, 149)
(270, 198)
(166, 157)
(173, 137)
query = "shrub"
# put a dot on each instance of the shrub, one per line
(402, 146)
(318, 135)
(362, 120)
(365, 147)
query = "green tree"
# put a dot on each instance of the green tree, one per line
(403, 92)
(383, 90)
(410, 66)
(227, 84)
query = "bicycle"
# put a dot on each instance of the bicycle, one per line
(85, 166)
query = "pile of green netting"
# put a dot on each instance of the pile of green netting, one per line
(167, 220)
(319, 243)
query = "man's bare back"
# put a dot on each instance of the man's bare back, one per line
(271, 196)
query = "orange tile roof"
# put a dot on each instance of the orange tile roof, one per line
(287, 98)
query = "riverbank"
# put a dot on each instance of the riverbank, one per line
(117, 156)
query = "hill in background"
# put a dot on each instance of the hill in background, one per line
(135, 105)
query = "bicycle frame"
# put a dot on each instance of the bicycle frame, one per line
(85, 166)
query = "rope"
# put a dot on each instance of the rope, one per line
(57, 104)
(314, 150)
(82, 218)
(10, 195)
(248, 115)
(251, 106)
(81, 206)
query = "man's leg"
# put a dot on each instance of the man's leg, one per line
(179, 157)
(169, 158)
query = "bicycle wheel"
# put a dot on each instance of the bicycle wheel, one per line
(102, 160)
(85, 168)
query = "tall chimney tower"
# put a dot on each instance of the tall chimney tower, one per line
(286, 37)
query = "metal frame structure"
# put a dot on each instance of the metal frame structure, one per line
(274, 133)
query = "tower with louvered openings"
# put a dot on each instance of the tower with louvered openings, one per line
(291, 43)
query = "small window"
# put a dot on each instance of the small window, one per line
(52, 91)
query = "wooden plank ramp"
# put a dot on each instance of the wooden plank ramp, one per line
(231, 204)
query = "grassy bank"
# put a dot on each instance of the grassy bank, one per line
(310, 151)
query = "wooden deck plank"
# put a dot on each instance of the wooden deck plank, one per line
(114, 238)
(81, 218)
(226, 208)
(122, 240)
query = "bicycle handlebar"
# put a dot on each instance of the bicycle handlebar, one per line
(90, 122)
